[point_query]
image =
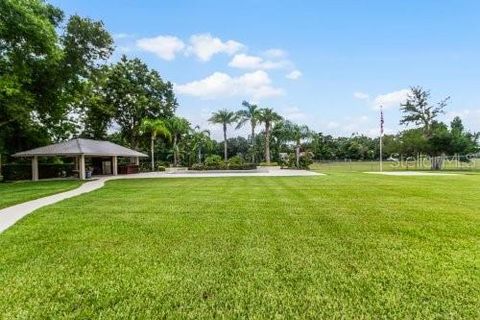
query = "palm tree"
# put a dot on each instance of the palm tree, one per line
(177, 126)
(225, 118)
(268, 117)
(155, 127)
(200, 139)
(297, 133)
(251, 113)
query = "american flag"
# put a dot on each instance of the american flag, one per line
(381, 120)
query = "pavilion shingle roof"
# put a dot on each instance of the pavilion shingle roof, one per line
(79, 146)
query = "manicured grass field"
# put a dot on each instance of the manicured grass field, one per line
(345, 245)
(362, 166)
(18, 192)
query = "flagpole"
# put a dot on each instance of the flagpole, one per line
(381, 138)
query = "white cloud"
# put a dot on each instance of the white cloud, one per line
(275, 53)
(122, 35)
(294, 75)
(392, 99)
(361, 95)
(204, 46)
(293, 114)
(165, 47)
(470, 118)
(255, 85)
(244, 61)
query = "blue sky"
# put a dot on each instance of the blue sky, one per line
(324, 63)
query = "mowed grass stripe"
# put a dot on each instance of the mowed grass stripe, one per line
(342, 245)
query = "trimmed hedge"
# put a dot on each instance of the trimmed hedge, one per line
(242, 166)
(271, 164)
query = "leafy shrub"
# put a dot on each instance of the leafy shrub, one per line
(145, 166)
(161, 168)
(304, 162)
(223, 166)
(213, 161)
(243, 166)
(236, 160)
(197, 166)
(264, 164)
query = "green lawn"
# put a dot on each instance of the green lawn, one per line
(346, 245)
(362, 166)
(18, 192)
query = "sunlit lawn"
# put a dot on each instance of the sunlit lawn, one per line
(18, 192)
(345, 245)
(473, 166)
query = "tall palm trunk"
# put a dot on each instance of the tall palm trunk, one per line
(225, 151)
(175, 160)
(297, 154)
(199, 154)
(152, 150)
(253, 142)
(267, 143)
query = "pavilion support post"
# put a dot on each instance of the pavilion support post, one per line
(35, 168)
(137, 161)
(114, 165)
(81, 167)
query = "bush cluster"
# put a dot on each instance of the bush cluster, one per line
(304, 162)
(264, 164)
(215, 162)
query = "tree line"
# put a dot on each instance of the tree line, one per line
(56, 83)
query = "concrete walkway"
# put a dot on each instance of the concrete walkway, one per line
(9, 216)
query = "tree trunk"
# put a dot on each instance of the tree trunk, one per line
(267, 144)
(253, 143)
(437, 162)
(152, 150)
(175, 160)
(225, 151)
(199, 155)
(297, 155)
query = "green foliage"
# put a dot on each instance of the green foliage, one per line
(213, 161)
(197, 167)
(268, 117)
(225, 118)
(136, 93)
(266, 164)
(235, 160)
(161, 168)
(417, 110)
(42, 73)
(242, 166)
(178, 127)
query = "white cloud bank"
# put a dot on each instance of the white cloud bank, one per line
(387, 100)
(204, 46)
(361, 95)
(275, 53)
(294, 75)
(244, 61)
(256, 85)
(390, 100)
(165, 47)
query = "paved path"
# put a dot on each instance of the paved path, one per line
(9, 216)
